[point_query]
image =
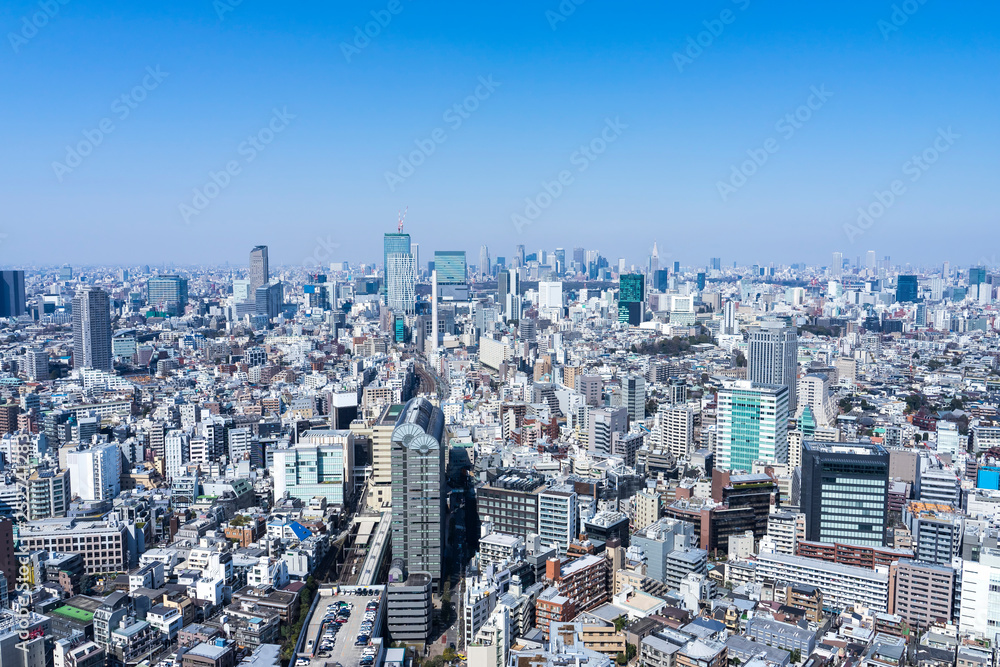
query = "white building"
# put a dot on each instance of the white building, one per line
(752, 425)
(95, 471)
(558, 517)
(842, 585)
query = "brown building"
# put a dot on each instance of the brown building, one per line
(551, 607)
(851, 554)
(583, 580)
(8, 562)
(807, 598)
(8, 417)
(923, 593)
(246, 533)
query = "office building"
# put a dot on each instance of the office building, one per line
(105, 545)
(259, 273)
(631, 298)
(37, 361)
(394, 243)
(268, 300)
(320, 465)
(510, 502)
(906, 289)
(176, 453)
(401, 282)
(752, 425)
(418, 487)
(772, 358)
(550, 296)
(603, 425)
(12, 297)
(845, 492)
(92, 329)
(485, 266)
(634, 388)
(167, 295)
(451, 275)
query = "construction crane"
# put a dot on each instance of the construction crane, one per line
(402, 216)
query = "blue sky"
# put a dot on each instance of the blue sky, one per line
(226, 69)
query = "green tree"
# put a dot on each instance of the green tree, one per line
(621, 659)
(630, 651)
(620, 623)
(796, 656)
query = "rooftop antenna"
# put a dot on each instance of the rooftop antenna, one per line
(402, 216)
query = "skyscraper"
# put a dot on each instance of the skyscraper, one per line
(845, 492)
(773, 357)
(92, 329)
(451, 271)
(393, 243)
(631, 295)
(484, 262)
(259, 274)
(12, 301)
(167, 294)
(418, 497)
(752, 425)
(837, 266)
(401, 280)
(906, 289)
(503, 289)
(519, 255)
(870, 262)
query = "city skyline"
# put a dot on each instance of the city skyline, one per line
(762, 141)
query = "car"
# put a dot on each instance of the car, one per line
(361, 641)
(364, 662)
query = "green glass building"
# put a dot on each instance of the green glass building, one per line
(450, 267)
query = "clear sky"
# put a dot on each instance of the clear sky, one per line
(161, 95)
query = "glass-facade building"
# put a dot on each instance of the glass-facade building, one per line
(167, 294)
(450, 267)
(393, 243)
(752, 425)
(845, 491)
(906, 289)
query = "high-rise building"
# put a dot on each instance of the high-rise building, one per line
(752, 425)
(37, 361)
(485, 268)
(401, 282)
(550, 295)
(95, 471)
(259, 274)
(393, 243)
(451, 267)
(871, 264)
(837, 267)
(92, 329)
(674, 429)
(12, 299)
(558, 517)
(268, 300)
(773, 358)
(631, 296)
(906, 289)
(518, 256)
(176, 453)
(418, 487)
(634, 387)
(167, 294)
(845, 492)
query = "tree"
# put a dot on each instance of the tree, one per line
(846, 405)
(796, 656)
(620, 623)
(741, 360)
(630, 651)
(621, 659)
